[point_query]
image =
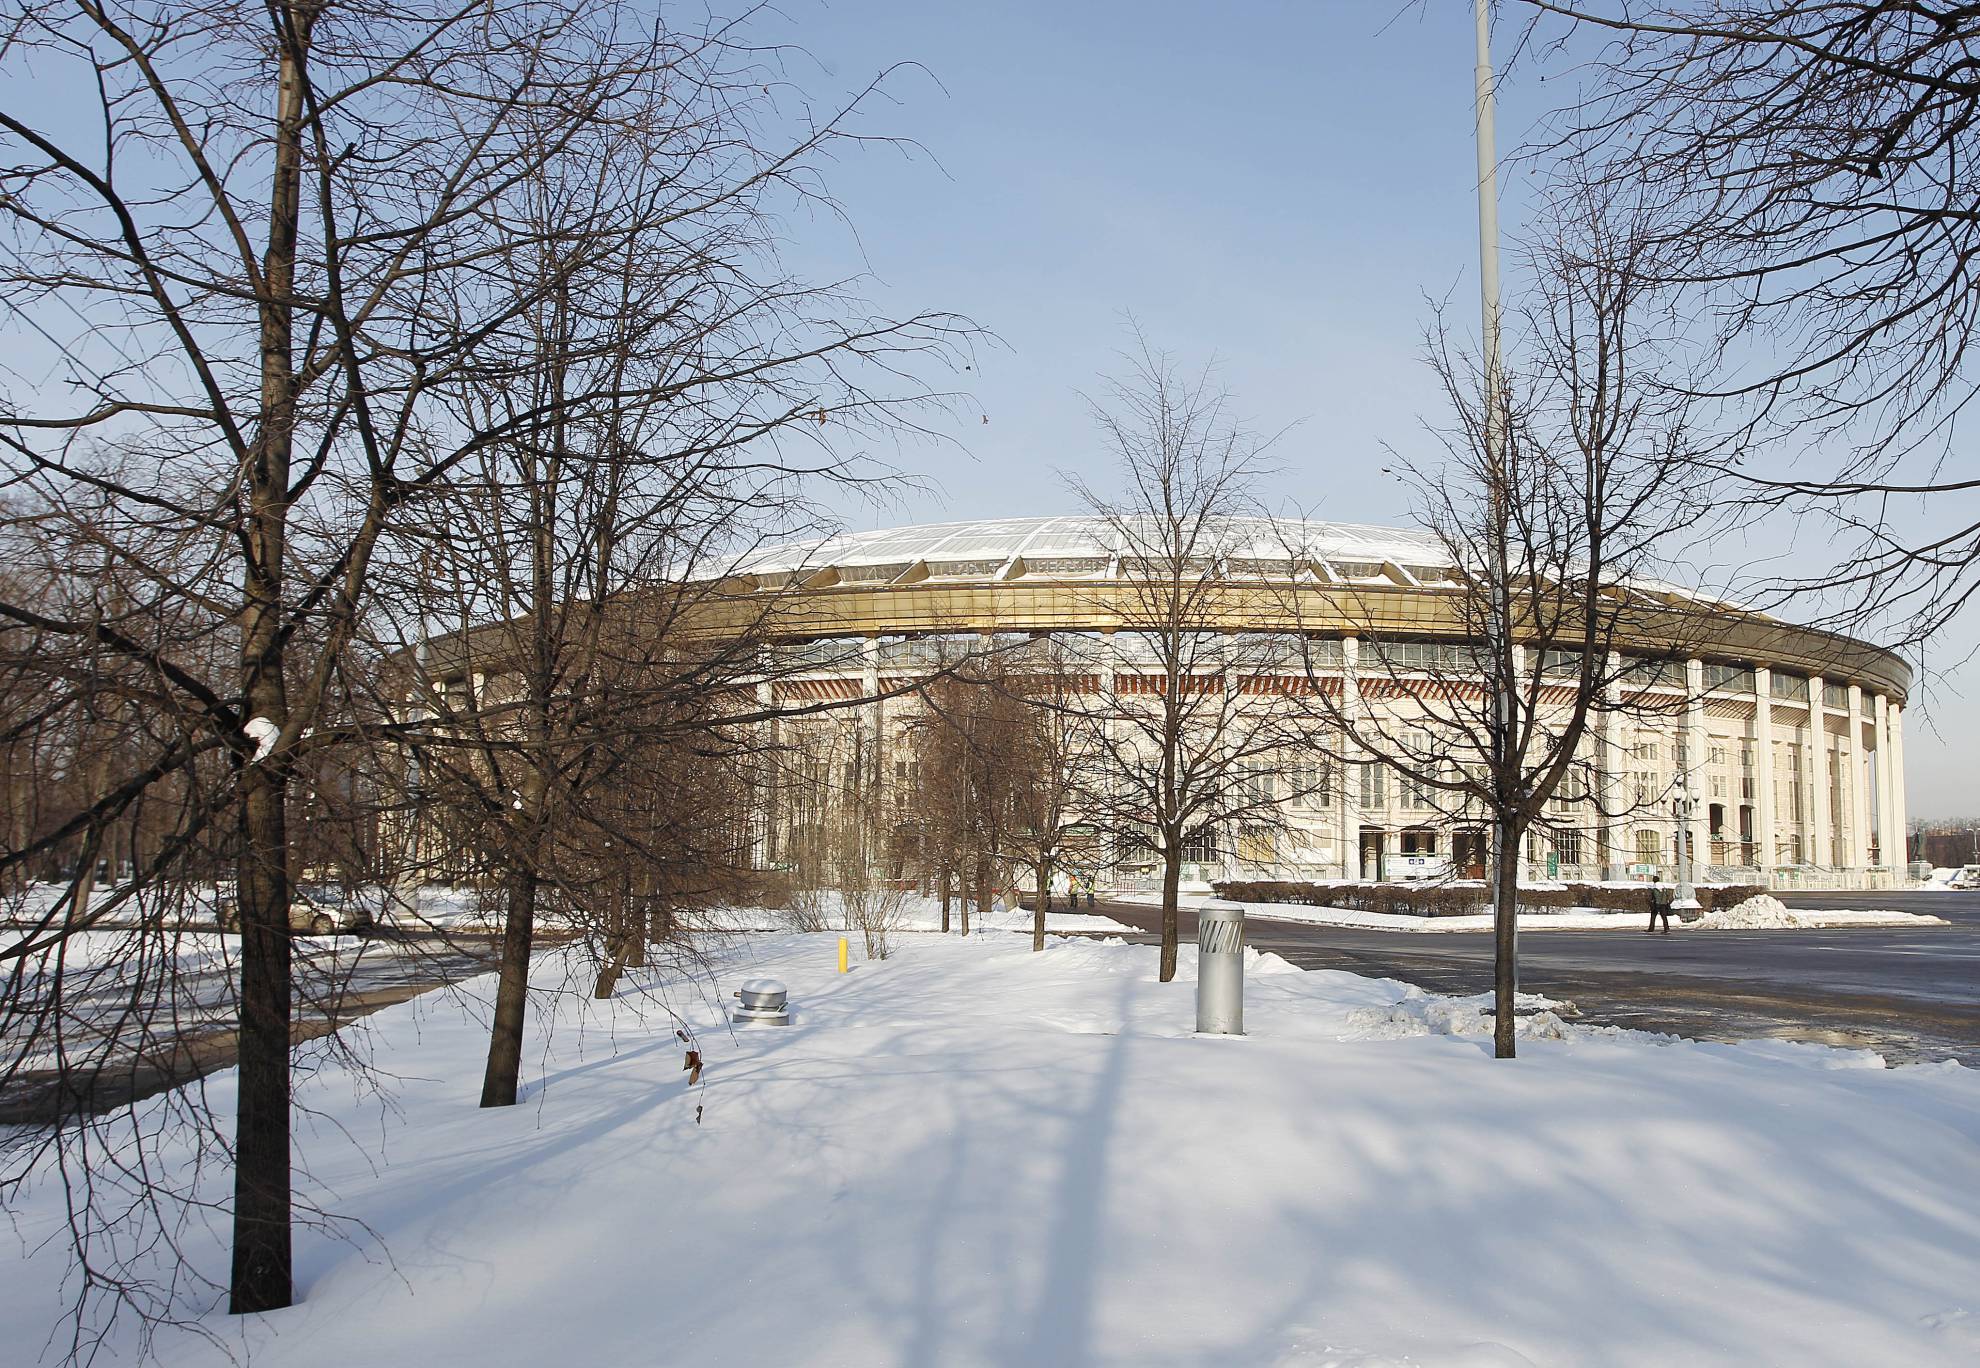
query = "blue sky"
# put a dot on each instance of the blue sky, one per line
(1282, 188)
(1277, 189)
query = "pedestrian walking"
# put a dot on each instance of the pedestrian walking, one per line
(1660, 906)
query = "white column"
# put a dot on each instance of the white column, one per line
(1797, 777)
(1608, 778)
(1885, 848)
(1106, 662)
(1690, 782)
(1899, 808)
(1350, 773)
(1856, 790)
(1763, 768)
(876, 718)
(1815, 761)
(766, 813)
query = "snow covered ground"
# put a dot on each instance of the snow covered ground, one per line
(971, 1154)
(915, 913)
(468, 910)
(1761, 913)
(441, 909)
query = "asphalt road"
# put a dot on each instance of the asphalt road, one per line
(1911, 994)
(337, 982)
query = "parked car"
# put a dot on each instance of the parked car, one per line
(315, 909)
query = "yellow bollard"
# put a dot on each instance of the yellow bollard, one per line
(842, 954)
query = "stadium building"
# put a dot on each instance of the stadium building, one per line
(1787, 740)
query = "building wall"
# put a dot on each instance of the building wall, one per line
(1791, 780)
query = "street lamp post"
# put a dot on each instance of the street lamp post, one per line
(1687, 872)
(1498, 623)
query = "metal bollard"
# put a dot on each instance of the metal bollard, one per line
(1220, 969)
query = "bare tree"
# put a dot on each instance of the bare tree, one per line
(1599, 466)
(841, 832)
(1178, 735)
(1812, 171)
(1001, 752)
(1055, 762)
(279, 266)
(649, 298)
(970, 745)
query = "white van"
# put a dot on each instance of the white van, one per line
(315, 909)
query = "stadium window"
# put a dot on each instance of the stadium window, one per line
(1374, 786)
(1567, 845)
(1200, 846)
(1559, 663)
(1738, 678)
(1656, 673)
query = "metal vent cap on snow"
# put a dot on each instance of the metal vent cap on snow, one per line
(765, 1002)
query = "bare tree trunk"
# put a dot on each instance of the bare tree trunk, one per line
(608, 978)
(948, 879)
(1038, 909)
(1171, 892)
(639, 930)
(262, 1278)
(498, 1084)
(85, 881)
(615, 954)
(982, 892)
(83, 887)
(1505, 930)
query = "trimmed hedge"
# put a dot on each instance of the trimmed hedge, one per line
(1466, 896)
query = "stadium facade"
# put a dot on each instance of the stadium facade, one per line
(1787, 740)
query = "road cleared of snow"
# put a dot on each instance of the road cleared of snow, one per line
(1752, 915)
(972, 1154)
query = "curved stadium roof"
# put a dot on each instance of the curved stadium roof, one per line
(1086, 544)
(1078, 537)
(1022, 574)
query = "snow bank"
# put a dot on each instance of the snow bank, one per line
(970, 1154)
(916, 913)
(441, 910)
(1765, 912)
(1419, 1013)
(1530, 919)
(184, 907)
(1761, 912)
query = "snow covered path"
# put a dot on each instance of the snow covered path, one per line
(970, 1154)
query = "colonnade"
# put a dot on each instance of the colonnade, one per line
(1833, 807)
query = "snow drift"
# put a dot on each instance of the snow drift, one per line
(970, 1154)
